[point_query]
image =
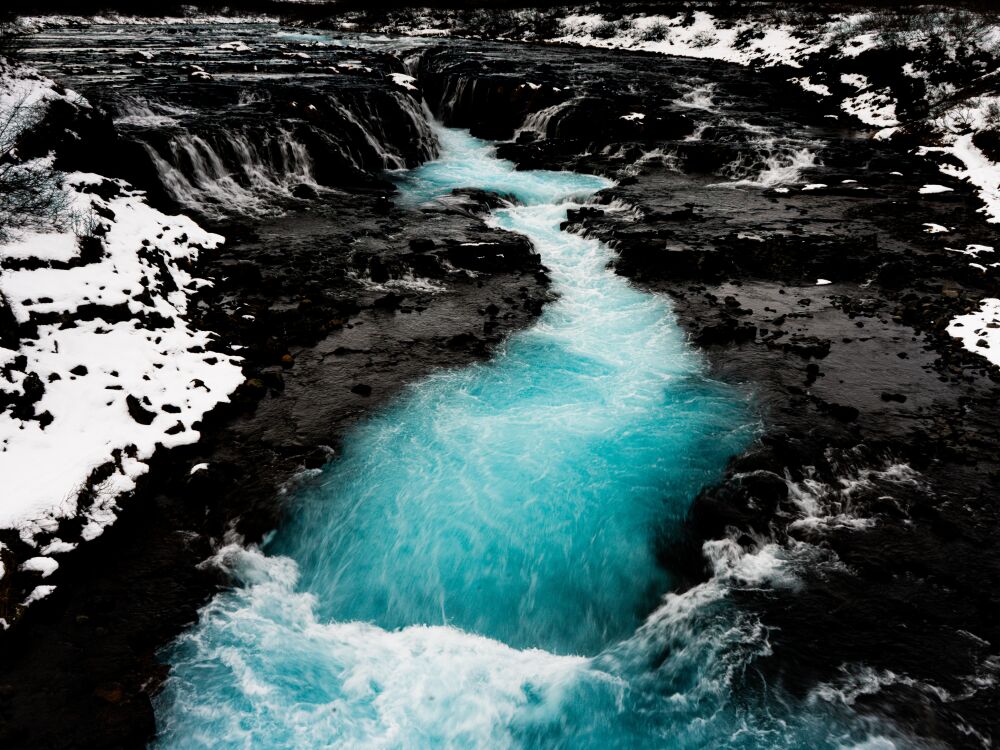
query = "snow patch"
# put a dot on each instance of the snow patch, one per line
(92, 370)
(401, 79)
(103, 367)
(39, 592)
(236, 46)
(46, 566)
(979, 331)
(976, 169)
(700, 35)
(815, 88)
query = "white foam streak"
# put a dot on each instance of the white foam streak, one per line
(414, 687)
(147, 113)
(699, 97)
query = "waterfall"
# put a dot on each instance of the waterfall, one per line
(458, 91)
(421, 117)
(231, 170)
(388, 158)
(251, 169)
(411, 63)
(541, 122)
(376, 127)
(769, 161)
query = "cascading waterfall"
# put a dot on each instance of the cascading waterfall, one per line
(251, 169)
(234, 170)
(411, 63)
(456, 90)
(420, 118)
(374, 148)
(367, 127)
(539, 123)
(478, 568)
(769, 162)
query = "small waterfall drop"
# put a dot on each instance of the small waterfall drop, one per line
(768, 161)
(231, 170)
(541, 122)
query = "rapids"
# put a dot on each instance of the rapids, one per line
(479, 568)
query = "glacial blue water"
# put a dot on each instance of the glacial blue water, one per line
(478, 569)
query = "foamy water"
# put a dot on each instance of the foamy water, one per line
(479, 568)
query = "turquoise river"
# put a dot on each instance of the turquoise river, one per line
(479, 568)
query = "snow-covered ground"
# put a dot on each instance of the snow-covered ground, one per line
(980, 331)
(763, 42)
(104, 368)
(697, 35)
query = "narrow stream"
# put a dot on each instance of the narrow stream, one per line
(478, 569)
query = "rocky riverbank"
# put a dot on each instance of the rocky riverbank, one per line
(821, 267)
(328, 297)
(818, 266)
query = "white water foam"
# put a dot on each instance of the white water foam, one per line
(513, 499)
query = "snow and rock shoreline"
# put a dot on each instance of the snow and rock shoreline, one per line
(925, 76)
(100, 367)
(298, 425)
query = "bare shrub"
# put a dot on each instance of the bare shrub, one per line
(491, 23)
(988, 141)
(902, 27)
(966, 29)
(401, 20)
(31, 193)
(656, 32)
(991, 114)
(604, 30)
(541, 24)
(85, 224)
(375, 18)
(962, 119)
(704, 39)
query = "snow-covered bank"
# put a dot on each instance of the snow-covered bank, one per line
(980, 331)
(99, 366)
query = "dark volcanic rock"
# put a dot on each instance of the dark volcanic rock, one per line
(854, 378)
(893, 494)
(327, 292)
(138, 412)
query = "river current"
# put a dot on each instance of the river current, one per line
(479, 569)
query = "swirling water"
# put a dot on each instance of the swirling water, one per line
(479, 568)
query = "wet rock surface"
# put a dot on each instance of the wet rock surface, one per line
(798, 255)
(738, 195)
(335, 297)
